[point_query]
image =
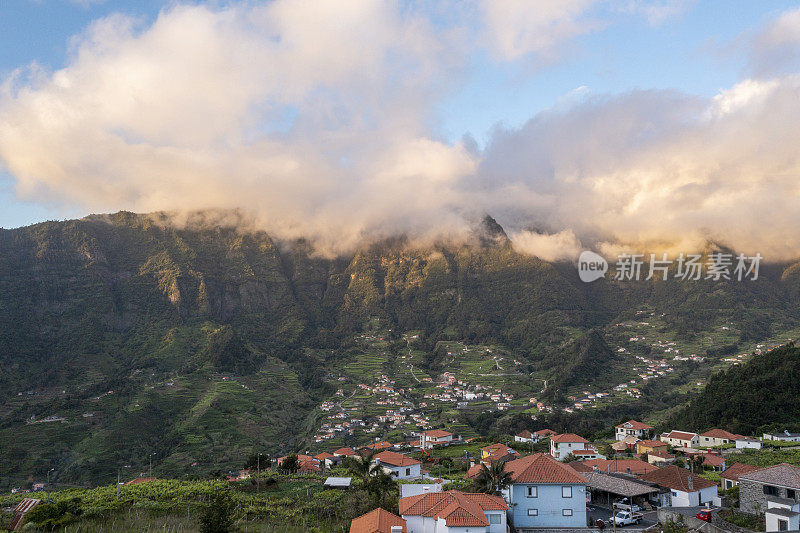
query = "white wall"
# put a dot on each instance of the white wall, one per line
(692, 499)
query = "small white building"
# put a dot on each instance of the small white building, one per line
(782, 514)
(685, 489)
(633, 428)
(680, 439)
(748, 444)
(525, 436)
(718, 437)
(399, 465)
(791, 437)
(565, 444)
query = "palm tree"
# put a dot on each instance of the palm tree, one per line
(493, 479)
(362, 467)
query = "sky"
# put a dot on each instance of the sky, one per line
(576, 123)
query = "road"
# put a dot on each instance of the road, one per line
(603, 513)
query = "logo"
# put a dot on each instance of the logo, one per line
(591, 266)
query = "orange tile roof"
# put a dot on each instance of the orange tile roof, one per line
(497, 451)
(580, 466)
(677, 478)
(376, 521)
(541, 468)
(634, 424)
(737, 469)
(653, 443)
(721, 434)
(473, 471)
(382, 445)
(544, 432)
(713, 460)
(324, 455)
(436, 433)
(568, 437)
(621, 466)
(525, 434)
(681, 435)
(345, 451)
(458, 509)
(395, 459)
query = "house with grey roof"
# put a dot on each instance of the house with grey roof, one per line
(778, 484)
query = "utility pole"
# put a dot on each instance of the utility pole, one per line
(48, 478)
(151, 464)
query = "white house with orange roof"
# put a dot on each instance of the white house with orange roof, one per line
(567, 443)
(454, 512)
(680, 439)
(634, 428)
(545, 493)
(399, 465)
(718, 437)
(435, 437)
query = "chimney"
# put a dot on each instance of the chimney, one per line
(691, 483)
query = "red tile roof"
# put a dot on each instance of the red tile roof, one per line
(677, 478)
(653, 443)
(634, 424)
(721, 434)
(568, 437)
(541, 468)
(621, 466)
(580, 466)
(395, 459)
(681, 435)
(584, 452)
(473, 471)
(324, 455)
(713, 460)
(345, 451)
(458, 509)
(544, 433)
(497, 451)
(377, 521)
(382, 445)
(436, 433)
(525, 434)
(737, 469)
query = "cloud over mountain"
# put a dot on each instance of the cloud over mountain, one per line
(319, 118)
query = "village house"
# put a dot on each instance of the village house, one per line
(435, 437)
(544, 433)
(682, 488)
(378, 521)
(633, 428)
(748, 444)
(718, 437)
(680, 438)
(497, 452)
(714, 462)
(545, 493)
(785, 435)
(399, 465)
(649, 446)
(454, 512)
(660, 459)
(525, 436)
(561, 446)
(776, 483)
(730, 477)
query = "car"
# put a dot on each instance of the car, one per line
(624, 518)
(704, 514)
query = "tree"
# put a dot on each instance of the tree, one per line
(493, 479)
(290, 463)
(252, 462)
(570, 458)
(379, 485)
(362, 467)
(217, 517)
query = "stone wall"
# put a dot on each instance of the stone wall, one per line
(751, 497)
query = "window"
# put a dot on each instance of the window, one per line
(769, 490)
(408, 471)
(674, 493)
(566, 512)
(532, 492)
(783, 525)
(566, 491)
(494, 518)
(533, 512)
(791, 494)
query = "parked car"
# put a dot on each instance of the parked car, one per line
(625, 518)
(704, 514)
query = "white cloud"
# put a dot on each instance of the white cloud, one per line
(560, 246)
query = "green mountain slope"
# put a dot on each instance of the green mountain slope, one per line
(760, 395)
(122, 338)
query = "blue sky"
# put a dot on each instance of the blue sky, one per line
(699, 49)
